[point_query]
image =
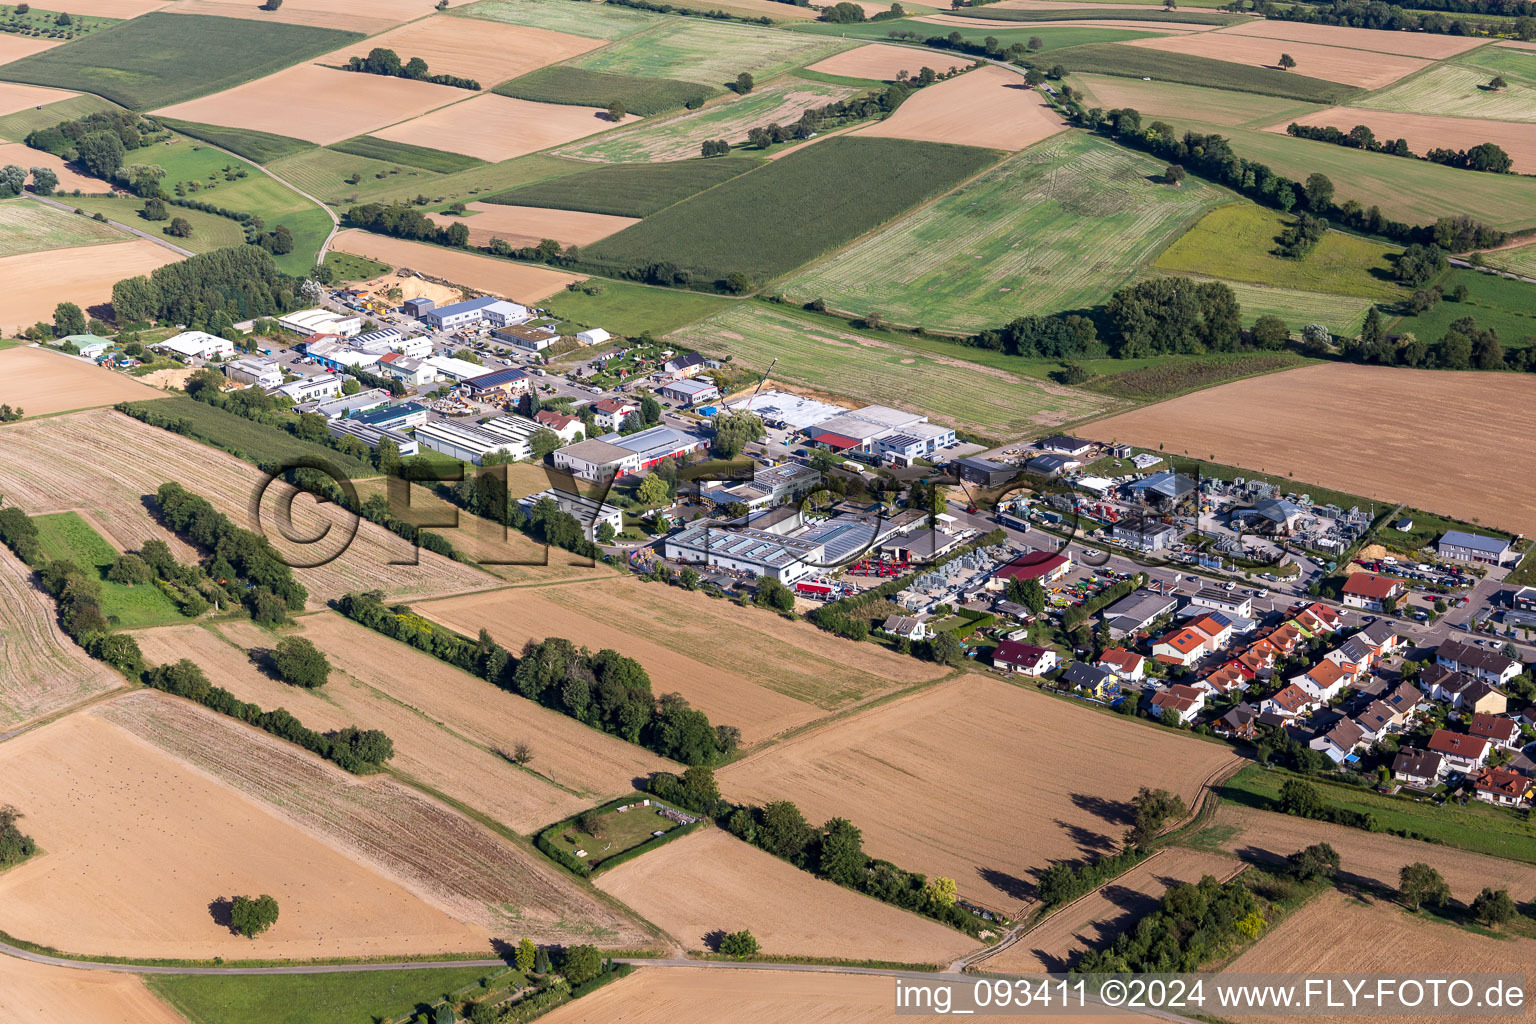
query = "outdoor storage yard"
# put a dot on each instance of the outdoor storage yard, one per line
(952, 737)
(42, 382)
(711, 883)
(520, 282)
(989, 107)
(529, 225)
(1347, 427)
(37, 282)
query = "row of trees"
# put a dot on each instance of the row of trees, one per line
(1486, 156)
(13, 181)
(239, 282)
(384, 61)
(1433, 16)
(234, 554)
(400, 220)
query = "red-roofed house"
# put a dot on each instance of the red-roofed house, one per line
(1234, 675)
(1026, 659)
(610, 412)
(1503, 787)
(1289, 702)
(567, 427)
(1181, 647)
(1183, 702)
(1037, 565)
(1369, 591)
(1501, 732)
(1285, 637)
(1318, 618)
(1325, 680)
(1462, 752)
(1128, 665)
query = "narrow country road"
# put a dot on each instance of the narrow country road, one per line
(157, 239)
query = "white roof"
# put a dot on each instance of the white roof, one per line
(1097, 484)
(195, 343)
(792, 410)
(459, 369)
(595, 336)
(316, 321)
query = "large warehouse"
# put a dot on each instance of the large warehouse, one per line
(471, 442)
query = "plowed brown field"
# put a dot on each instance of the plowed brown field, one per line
(1095, 920)
(712, 882)
(977, 780)
(1411, 44)
(98, 461)
(1427, 131)
(989, 107)
(519, 281)
(318, 104)
(1330, 63)
(41, 669)
(499, 128)
(138, 844)
(444, 858)
(38, 994)
(879, 60)
(490, 52)
(1345, 426)
(38, 281)
(42, 382)
(530, 225)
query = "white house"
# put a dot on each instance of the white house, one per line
(1026, 659)
(906, 626)
(1461, 752)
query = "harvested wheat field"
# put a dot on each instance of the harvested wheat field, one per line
(317, 104)
(41, 669)
(38, 994)
(1344, 427)
(1095, 920)
(13, 95)
(711, 882)
(139, 844)
(1371, 858)
(69, 178)
(427, 749)
(1435, 46)
(699, 995)
(41, 381)
(36, 282)
(796, 671)
(499, 128)
(115, 8)
(1428, 131)
(1332, 63)
(990, 107)
(1001, 795)
(518, 281)
(882, 61)
(529, 225)
(1370, 936)
(366, 16)
(444, 858)
(96, 461)
(490, 52)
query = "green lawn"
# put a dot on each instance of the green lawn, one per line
(347, 267)
(1140, 62)
(1477, 827)
(17, 126)
(627, 190)
(591, 20)
(209, 230)
(260, 147)
(324, 174)
(67, 537)
(632, 309)
(157, 59)
(619, 833)
(480, 181)
(360, 997)
(30, 226)
(816, 353)
(1053, 36)
(761, 223)
(1507, 306)
(1059, 226)
(680, 138)
(708, 52)
(432, 160)
(1237, 242)
(579, 86)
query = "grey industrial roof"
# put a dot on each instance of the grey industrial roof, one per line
(1475, 541)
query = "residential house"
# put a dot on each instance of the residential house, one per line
(1092, 680)
(1285, 638)
(1233, 675)
(1382, 636)
(906, 626)
(1128, 665)
(1376, 721)
(1474, 547)
(1317, 619)
(1289, 702)
(1353, 656)
(685, 365)
(1501, 732)
(1025, 659)
(1404, 699)
(1490, 666)
(610, 412)
(1503, 787)
(1371, 591)
(1181, 647)
(1324, 681)
(1340, 741)
(1239, 723)
(1259, 658)
(1183, 702)
(1461, 751)
(568, 428)
(1060, 444)
(1418, 768)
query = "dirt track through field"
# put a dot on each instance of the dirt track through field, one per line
(496, 128)
(43, 382)
(517, 281)
(530, 225)
(989, 107)
(1425, 132)
(1354, 428)
(1330, 63)
(37, 282)
(977, 780)
(711, 882)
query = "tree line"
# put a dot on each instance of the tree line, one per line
(401, 221)
(1485, 156)
(1431, 16)
(234, 554)
(604, 690)
(384, 61)
(240, 282)
(856, 108)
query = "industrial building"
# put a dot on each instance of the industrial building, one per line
(779, 409)
(691, 392)
(862, 430)
(394, 417)
(320, 321)
(342, 406)
(196, 345)
(263, 373)
(654, 444)
(743, 549)
(503, 383)
(594, 459)
(496, 312)
(529, 339)
(310, 389)
(471, 442)
(371, 435)
(456, 370)
(1474, 547)
(589, 512)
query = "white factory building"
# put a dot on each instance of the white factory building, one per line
(508, 435)
(196, 345)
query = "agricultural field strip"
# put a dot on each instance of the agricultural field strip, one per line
(1424, 132)
(42, 381)
(1454, 89)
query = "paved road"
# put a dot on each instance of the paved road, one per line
(157, 239)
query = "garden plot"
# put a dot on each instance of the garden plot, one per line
(37, 282)
(42, 382)
(529, 225)
(138, 843)
(495, 128)
(520, 282)
(318, 104)
(486, 52)
(1425, 132)
(710, 883)
(885, 62)
(16, 96)
(990, 107)
(1435, 46)
(964, 739)
(1330, 63)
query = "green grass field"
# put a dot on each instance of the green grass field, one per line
(158, 59)
(938, 379)
(1341, 314)
(627, 190)
(478, 182)
(1236, 242)
(1172, 377)
(1518, 260)
(65, 536)
(591, 20)
(764, 224)
(991, 13)
(1507, 306)
(254, 442)
(347, 267)
(1054, 37)
(632, 309)
(1139, 62)
(1059, 226)
(323, 173)
(432, 160)
(644, 96)
(209, 230)
(29, 226)
(17, 126)
(275, 204)
(348, 998)
(1456, 90)
(708, 52)
(1171, 100)
(259, 147)
(680, 138)
(620, 833)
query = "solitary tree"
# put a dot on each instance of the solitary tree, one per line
(526, 954)
(272, 5)
(1316, 861)
(581, 964)
(744, 83)
(301, 663)
(1287, 62)
(252, 915)
(522, 752)
(1173, 174)
(44, 181)
(1493, 907)
(179, 227)
(1418, 883)
(68, 319)
(616, 111)
(1034, 43)
(154, 209)
(1497, 83)
(740, 944)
